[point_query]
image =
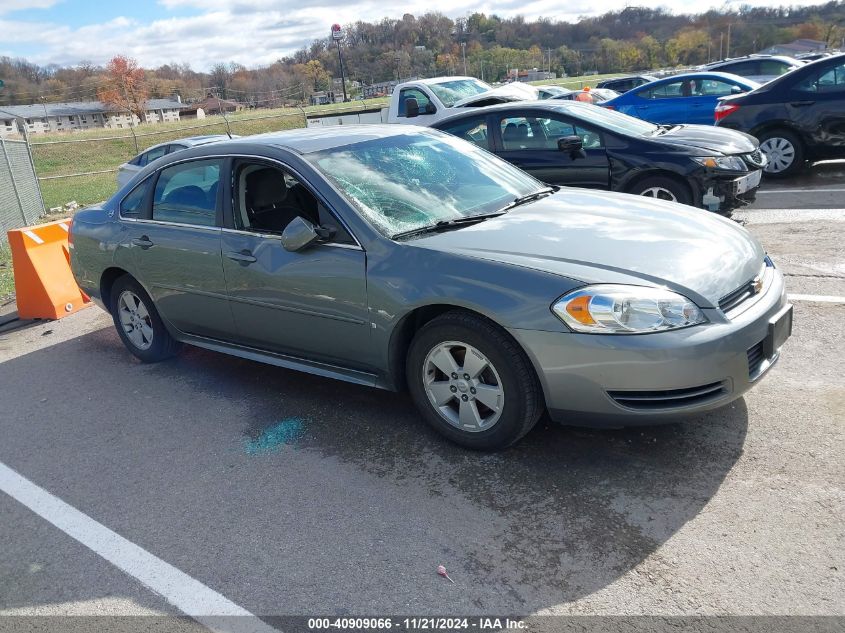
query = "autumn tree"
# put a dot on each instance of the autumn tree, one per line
(124, 88)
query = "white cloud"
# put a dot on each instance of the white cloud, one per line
(257, 32)
(8, 6)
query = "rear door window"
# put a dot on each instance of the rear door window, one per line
(773, 67)
(473, 130)
(132, 205)
(829, 80)
(187, 193)
(744, 69)
(713, 88)
(671, 90)
(153, 154)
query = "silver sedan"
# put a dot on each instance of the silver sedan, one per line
(131, 167)
(402, 258)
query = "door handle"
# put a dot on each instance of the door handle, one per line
(799, 104)
(244, 257)
(143, 241)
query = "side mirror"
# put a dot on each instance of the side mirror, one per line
(429, 108)
(570, 144)
(412, 108)
(299, 234)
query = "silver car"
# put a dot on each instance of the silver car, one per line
(401, 257)
(759, 68)
(131, 167)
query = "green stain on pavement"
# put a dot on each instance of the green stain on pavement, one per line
(271, 439)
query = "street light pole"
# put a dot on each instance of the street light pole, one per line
(337, 35)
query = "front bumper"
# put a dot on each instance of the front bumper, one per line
(624, 380)
(723, 194)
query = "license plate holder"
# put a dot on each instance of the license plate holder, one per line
(780, 329)
(749, 182)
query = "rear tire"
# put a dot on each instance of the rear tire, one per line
(784, 151)
(472, 382)
(662, 188)
(138, 323)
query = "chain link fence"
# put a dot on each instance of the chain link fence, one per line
(83, 168)
(20, 196)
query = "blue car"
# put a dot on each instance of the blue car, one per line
(687, 98)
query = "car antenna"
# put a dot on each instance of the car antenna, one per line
(223, 112)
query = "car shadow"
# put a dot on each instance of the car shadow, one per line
(561, 515)
(579, 506)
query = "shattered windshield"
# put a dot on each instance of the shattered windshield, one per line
(409, 181)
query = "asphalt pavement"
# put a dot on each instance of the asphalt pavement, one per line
(280, 493)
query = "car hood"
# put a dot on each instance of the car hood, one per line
(602, 237)
(710, 138)
(508, 92)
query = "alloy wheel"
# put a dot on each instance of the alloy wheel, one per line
(463, 386)
(135, 320)
(780, 152)
(659, 192)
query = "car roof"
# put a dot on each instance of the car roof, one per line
(779, 58)
(315, 139)
(627, 77)
(707, 74)
(572, 107)
(191, 141)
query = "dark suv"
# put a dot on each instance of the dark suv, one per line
(624, 84)
(798, 117)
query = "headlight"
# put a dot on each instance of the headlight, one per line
(617, 309)
(728, 163)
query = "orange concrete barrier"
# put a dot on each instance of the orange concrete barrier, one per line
(44, 286)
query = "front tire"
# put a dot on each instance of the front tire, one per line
(472, 382)
(662, 188)
(138, 323)
(784, 151)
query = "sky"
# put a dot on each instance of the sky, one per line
(250, 32)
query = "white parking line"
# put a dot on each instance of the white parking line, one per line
(765, 192)
(817, 298)
(190, 596)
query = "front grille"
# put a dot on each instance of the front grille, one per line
(733, 299)
(755, 158)
(669, 399)
(755, 359)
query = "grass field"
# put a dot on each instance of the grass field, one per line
(105, 149)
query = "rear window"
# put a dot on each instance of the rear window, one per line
(130, 206)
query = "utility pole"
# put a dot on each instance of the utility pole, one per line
(728, 43)
(464, 54)
(721, 41)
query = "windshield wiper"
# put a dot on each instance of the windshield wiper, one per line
(531, 197)
(445, 225)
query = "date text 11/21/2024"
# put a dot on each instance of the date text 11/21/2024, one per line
(417, 624)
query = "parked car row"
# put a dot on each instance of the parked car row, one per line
(798, 114)
(405, 258)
